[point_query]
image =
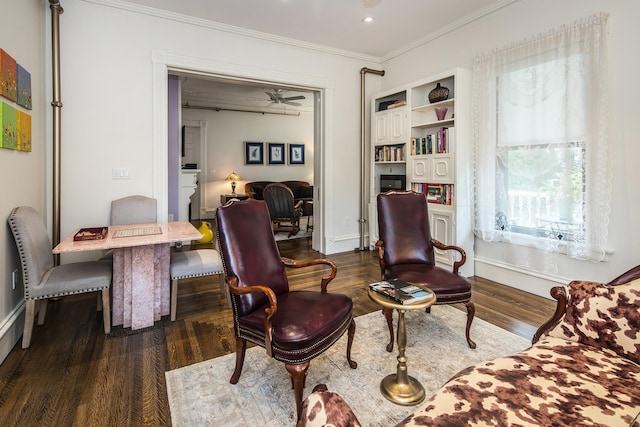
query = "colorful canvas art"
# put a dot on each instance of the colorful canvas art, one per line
(9, 127)
(24, 132)
(24, 87)
(8, 76)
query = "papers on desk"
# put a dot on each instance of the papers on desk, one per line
(141, 231)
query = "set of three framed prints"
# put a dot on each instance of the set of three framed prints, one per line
(254, 153)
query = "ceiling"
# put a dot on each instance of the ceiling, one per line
(398, 26)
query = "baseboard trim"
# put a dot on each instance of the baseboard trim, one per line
(11, 330)
(525, 280)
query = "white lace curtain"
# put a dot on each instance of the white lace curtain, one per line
(542, 104)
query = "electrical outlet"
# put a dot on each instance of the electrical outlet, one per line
(170, 217)
(14, 278)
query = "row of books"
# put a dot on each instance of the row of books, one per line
(436, 143)
(441, 194)
(390, 153)
(400, 291)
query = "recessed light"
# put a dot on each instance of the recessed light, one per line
(367, 19)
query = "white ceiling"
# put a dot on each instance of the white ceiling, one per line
(398, 26)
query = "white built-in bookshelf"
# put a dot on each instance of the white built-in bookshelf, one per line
(414, 141)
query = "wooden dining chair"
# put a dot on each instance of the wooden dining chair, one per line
(292, 326)
(43, 280)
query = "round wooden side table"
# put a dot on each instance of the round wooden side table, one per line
(401, 388)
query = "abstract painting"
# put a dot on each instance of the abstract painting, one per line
(24, 132)
(24, 87)
(8, 76)
(9, 127)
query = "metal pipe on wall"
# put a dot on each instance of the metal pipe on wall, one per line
(56, 11)
(363, 151)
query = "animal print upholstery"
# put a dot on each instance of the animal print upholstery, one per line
(582, 373)
(326, 409)
(603, 316)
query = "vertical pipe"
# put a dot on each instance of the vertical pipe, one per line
(56, 10)
(363, 154)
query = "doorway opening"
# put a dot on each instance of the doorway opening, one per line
(212, 108)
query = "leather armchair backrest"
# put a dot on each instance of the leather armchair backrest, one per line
(249, 251)
(279, 200)
(403, 222)
(34, 246)
(134, 210)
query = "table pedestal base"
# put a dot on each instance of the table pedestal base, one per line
(407, 394)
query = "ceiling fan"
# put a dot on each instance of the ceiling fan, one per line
(277, 97)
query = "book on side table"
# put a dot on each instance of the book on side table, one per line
(400, 291)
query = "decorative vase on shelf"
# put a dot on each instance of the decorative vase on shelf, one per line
(440, 93)
(441, 113)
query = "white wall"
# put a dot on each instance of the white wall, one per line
(226, 133)
(107, 71)
(23, 175)
(527, 18)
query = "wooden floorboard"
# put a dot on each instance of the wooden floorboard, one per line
(73, 375)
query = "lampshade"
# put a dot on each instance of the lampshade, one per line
(233, 177)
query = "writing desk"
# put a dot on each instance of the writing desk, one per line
(141, 282)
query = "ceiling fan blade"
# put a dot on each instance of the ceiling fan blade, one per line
(294, 98)
(295, 104)
(273, 97)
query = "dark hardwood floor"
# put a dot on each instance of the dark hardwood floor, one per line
(72, 375)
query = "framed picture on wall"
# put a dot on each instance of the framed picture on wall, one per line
(296, 154)
(254, 153)
(276, 154)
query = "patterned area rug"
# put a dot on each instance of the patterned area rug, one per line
(302, 234)
(201, 395)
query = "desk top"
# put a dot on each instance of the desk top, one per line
(171, 232)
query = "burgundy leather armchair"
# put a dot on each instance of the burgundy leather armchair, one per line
(406, 252)
(292, 326)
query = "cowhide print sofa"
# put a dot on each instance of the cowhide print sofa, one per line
(583, 369)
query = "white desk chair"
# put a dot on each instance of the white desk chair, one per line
(196, 263)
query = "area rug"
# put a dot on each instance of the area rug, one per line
(200, 394)
(302, 234)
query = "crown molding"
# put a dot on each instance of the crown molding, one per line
(185, 19)
(453, 26)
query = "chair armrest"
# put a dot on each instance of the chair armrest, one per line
(559, 293)
(463, 255)
(380, 247)
(232, 282)
(297, 263)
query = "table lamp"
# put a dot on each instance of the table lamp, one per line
(233, 177)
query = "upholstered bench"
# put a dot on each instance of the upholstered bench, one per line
(188, 264)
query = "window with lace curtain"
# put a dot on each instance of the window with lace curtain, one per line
(540, 139)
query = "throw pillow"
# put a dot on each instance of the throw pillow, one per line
(323, 409)
(603, 316)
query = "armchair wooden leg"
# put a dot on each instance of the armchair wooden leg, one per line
(388, 313)
(298, 374)
(471, 311)
(241, 349)
(351, 333)
(29, 318)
